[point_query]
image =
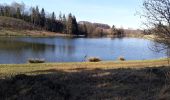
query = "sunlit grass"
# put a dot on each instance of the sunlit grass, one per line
(14, 69)
(108, 78)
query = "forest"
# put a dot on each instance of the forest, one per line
(62, 23)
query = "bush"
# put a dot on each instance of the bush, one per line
(94, 59)
(36, 60)
(121, 59)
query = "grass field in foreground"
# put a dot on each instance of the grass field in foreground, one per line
(129, 80)
(14, 69)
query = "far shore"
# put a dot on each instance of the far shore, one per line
(30, 33)
(39, 33)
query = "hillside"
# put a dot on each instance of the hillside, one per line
(16, 27)
(13, 23)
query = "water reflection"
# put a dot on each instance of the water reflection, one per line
(19, 50)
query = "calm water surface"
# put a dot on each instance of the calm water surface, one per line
(19, 50)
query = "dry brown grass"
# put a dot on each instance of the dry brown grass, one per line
(128, 80)
(85, 84)
(14, 69)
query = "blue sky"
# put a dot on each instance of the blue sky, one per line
(120, 13)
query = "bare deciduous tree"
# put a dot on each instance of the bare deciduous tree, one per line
(157, 14)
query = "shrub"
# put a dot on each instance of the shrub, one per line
(121, 59)
(36, 60)
(94, 59)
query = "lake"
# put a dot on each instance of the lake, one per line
(18, 50)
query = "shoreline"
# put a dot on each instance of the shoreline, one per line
(30, 33)
(148, 37)
(113, 61)
(8, 70)
(43, 33)
(86, 81)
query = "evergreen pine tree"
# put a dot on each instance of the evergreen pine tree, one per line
(37, 16)
(53, 19)
(72, 26)
(75, 26)
(64, 21)
(48, 24)
(69, 25)
(43, 19)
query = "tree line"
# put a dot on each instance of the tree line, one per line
(66, 24)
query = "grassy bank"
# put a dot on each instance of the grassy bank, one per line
(11, 32)
(14, 69)
(29, 33)
(128, 80)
